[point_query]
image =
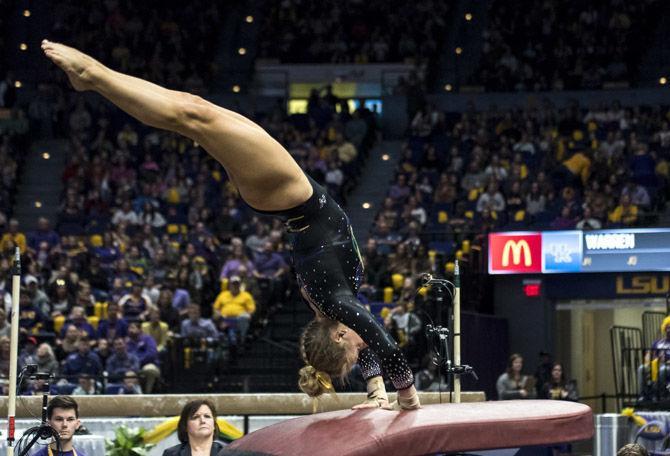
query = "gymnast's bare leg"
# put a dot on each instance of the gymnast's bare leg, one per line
(262, 170)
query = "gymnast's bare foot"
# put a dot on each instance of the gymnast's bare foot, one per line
(77, 65)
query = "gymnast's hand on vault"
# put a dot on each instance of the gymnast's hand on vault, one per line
(374, 403)
(377, 397)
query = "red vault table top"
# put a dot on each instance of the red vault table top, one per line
(433, 428)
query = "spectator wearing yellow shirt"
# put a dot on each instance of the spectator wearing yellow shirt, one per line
(234, 308)
(625, 213)
(13, 238)
(157, 329)
(575, 169)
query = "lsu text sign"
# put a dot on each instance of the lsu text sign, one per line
(606, 286)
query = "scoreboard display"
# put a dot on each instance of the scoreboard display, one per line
(548, 252)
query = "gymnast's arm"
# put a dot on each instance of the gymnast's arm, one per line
(372, 373)
(349, 312)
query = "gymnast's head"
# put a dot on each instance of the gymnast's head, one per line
(330, 350)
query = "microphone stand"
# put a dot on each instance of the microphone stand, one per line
(443, 359)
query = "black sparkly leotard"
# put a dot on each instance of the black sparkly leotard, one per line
(328, 267)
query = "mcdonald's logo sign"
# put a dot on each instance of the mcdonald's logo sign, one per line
(515, 253)
(517, 250)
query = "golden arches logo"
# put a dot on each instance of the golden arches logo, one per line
(515, 249)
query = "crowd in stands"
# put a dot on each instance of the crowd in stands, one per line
(353, 31)
(557, 45)
(14, 128)
(462, 176)
(375, 31)
(171, 44)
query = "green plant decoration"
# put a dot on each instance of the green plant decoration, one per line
(128, 442)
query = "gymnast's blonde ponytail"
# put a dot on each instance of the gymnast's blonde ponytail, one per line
(314, 383)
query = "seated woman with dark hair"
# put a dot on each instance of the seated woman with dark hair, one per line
(197, 431)
(512, 384)
(558, 388)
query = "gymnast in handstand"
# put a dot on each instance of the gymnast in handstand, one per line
(325, 255)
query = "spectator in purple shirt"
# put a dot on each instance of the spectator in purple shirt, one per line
(108, 252)
(143, 346)
(196, 327)
(121, 361)
(238, 264)
(31, 317)
(43, 233)
(114, 325)
(135, 305)
(83, 361)
(564, 221)
(181, 298)
(400, 190)
(270, 270)
(78, 319)
(643, 167)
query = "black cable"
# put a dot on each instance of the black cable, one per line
(27, 367)
(35, 433)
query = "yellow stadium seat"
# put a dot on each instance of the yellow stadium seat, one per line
(103, 312)
(465, 246)
(172, 196)
(459, 254)
(442, 217)
(187, 357)
(470, 214)
(473, 194)
(385, 312)
(93, 321)
(397, 280)
(95, 240)
(58, 323)
(450, 267)
(654, 370)
(519, 216)
(172, 228)
(388, 295)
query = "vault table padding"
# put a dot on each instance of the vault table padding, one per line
(433, 428)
